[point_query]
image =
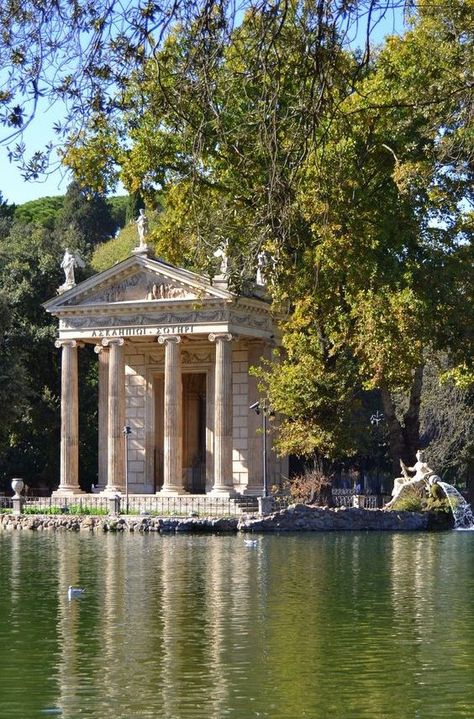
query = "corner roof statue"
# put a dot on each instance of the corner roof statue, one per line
(69, 262)
(143, 229)
(263, 261)
(221, 253)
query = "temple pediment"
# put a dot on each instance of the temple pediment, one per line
(136, 287)
(138, 279)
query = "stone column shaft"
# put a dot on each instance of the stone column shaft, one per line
(69, 463)
(223, 410)
(173, 482)
(103, 414)
(116, 415)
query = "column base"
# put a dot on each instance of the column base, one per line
(172, 492)
(225, 492)
(111, 491)
(66, 491)
(252, 492)
(98, 489)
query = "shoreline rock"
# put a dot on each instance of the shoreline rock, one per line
(296, 518)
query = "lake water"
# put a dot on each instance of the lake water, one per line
(179, 627)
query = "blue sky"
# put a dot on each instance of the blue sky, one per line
(16, 190)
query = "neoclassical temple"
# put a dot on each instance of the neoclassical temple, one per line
(174, 353)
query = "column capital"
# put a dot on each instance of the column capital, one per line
(225, 336)
(99, 348)
(117, 341)
(169, 338)
(66, 343)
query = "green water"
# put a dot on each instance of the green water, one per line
(324, 625)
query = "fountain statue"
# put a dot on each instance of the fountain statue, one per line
(425, 479)
(422, 474)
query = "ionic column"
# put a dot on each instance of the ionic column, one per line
(69, 464)
(103, 414)
(173, 482)
(115, 415)
(223, 409)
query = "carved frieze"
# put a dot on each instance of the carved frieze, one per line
(162, 318)
(252, 321)
(139, 286)
(196, 357)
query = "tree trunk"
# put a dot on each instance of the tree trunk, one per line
(411, 419)
(395, 432)
(404, 439)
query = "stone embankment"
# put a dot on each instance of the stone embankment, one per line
(296, 518)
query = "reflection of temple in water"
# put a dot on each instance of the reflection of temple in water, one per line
(155, 626)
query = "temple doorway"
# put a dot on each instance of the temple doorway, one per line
(194, 431)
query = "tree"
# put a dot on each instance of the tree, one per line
(29, 273)
(81, 55)
(355, 177)
(118, 209)
(42, 211)
(84, 221)
(30, 363)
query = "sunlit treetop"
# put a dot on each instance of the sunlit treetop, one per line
(80, 54)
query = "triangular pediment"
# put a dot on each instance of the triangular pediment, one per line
(136, 287)
(138, 279)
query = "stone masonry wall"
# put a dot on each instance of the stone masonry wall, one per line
(240, 452)
(135, 417)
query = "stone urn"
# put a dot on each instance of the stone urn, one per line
(17, 486)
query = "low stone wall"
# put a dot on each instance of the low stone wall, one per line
(303, 518)
(297, 518)
(118, 524)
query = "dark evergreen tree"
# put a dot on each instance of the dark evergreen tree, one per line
(84, 221)
(135, 203)
(30, 273)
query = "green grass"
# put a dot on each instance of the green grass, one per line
(72, 509)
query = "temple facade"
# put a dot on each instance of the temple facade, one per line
(174, 353)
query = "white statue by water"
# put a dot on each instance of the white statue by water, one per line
(425, 477)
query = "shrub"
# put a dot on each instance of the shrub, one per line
(312, 488)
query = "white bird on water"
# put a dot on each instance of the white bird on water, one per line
(74, 592)
(250, 542)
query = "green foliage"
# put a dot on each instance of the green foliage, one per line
(29, 390)
(115, 250)
(418, 499)
(43, 211)
(118, 210)
(412, 502)
(29, 363)
(135, 203)
(352, 177)
(412, 498)
(85, 220)
(6, 210)
(74, 509)
(120, 247)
